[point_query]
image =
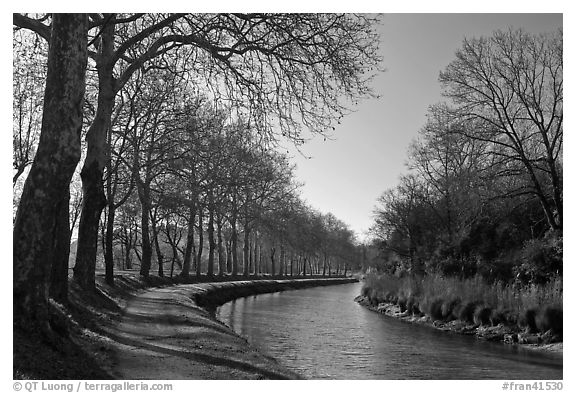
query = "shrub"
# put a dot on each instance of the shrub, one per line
(448, 298)
(402, 303)
(387, 298)
(540, 260)
(499, 269)
(417, 309)
(373, 297)
(500, 316)
(410, 301)
(433, 308)
(527, 321)
(482, 315)
(412, 306)
(466, 312)
(456, 311)
(550, 318)
(448, 307)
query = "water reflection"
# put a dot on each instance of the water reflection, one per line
(322, 333)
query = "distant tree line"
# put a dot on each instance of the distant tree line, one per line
(483, 194)
(175, 118)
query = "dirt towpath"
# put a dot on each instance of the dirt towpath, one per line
(163, 334)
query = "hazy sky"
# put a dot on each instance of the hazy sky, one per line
(346, 175)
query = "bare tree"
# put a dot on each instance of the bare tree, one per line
(117, 180)
(46, 190)
(401, 220)
(284, 68)
(454, 168)
(510, 86)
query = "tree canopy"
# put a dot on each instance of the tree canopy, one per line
(484, 194)
(179, 117)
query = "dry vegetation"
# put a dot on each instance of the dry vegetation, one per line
(532, 308)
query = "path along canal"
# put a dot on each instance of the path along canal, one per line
(321, 333)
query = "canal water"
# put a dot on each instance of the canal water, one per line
(321, 333)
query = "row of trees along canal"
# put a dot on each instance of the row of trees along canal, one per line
(484, 191)
(174, 116)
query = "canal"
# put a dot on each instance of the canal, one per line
(321, 333)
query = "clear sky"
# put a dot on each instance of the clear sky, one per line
(346, 175)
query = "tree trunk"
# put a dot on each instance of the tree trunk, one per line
(556, 179)
(557, 191)
(56, 158)
(128, 261)
(200, 241)
(246, 250)
(256, 255)
(234, 246)
(542, 196)
(260, 258)
(94, 200)
(251, 257)
(59, 273)
(122, 256)
(109, 237)
(102, 236)
(159, 255)
(173, 245)
(298, 269)
(221, 256)
(282, 261)
(211, 242)
(109, 244)
(229, 256)
(146, 261)
(272, 252)
(136, 249)
(189, 243)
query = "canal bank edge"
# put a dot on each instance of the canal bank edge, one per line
(217, 352)
(107, 325)
(489, 333)
(212, 295)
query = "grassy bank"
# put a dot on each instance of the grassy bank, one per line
(92, 340)
(531, 314)
(85, 351)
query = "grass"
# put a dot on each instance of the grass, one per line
(533, 307)
(87, 348)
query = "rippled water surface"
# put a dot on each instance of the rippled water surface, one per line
(322, 333)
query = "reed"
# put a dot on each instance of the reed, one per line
(472, 299)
